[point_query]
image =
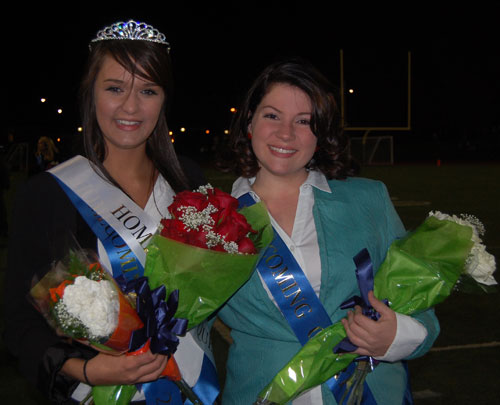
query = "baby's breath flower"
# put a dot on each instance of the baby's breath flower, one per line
(204, 189)
(474, 222)
(193, 218)
(230, 247)
(70, 324)
(213, 239)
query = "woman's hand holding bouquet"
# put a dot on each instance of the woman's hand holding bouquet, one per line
(126, 370)
(372, 338)
(422, 269)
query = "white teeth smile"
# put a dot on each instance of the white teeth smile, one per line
(123, 122)
(281, 150)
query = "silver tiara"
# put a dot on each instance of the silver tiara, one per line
(132, 30)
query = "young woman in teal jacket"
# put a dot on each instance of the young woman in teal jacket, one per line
(290, 153)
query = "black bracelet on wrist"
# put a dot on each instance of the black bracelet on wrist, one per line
(85, 373)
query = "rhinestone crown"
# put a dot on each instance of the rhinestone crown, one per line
(132, 30)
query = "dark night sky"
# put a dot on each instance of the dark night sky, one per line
(217, 51)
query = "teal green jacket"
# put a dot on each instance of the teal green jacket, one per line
(357, 214)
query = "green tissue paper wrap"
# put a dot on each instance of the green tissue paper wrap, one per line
(419, 271)
(205, 278)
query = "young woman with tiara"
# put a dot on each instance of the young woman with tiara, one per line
(130, 165)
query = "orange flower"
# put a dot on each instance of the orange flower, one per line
(57, 293)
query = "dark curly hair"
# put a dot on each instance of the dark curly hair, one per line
(331, 157)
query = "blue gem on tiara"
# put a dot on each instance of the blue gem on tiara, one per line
(131, 30)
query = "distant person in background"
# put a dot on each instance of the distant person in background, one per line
(46, 154)
(290, 153)
(10, 142)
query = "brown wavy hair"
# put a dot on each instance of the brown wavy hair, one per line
(331, 158)
(151, 62)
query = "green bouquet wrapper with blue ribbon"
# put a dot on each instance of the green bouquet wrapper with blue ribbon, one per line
(419, 271)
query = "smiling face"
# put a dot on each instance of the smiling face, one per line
(127, 106)
(282, 139)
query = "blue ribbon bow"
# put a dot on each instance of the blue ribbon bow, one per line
(157, 315)
(364, 275)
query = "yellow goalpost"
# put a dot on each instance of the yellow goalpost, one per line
(367, 130)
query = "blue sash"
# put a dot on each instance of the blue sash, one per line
(113, 243)
(292, 291)
(297, 300)
(207, 386)
(126, 264)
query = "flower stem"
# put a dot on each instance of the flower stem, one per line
(188, 392)
(88, 400)
(357, 380)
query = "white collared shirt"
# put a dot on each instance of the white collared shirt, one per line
(304, 242)
(304, 246)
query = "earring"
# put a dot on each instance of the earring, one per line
(249, 135)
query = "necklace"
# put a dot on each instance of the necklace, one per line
(154, 179)
(156, 205)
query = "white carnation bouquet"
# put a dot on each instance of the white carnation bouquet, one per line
(81, 300)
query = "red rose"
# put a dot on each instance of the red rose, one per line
(246, 245)
(217, 216)
(219, 248)
(186, 199)
(197, 238)
(174, 229)
(222, 200)
(234, 227)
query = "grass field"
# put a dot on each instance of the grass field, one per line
(463, 365)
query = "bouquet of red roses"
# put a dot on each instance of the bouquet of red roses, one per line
(206, 250)
(209, 219)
